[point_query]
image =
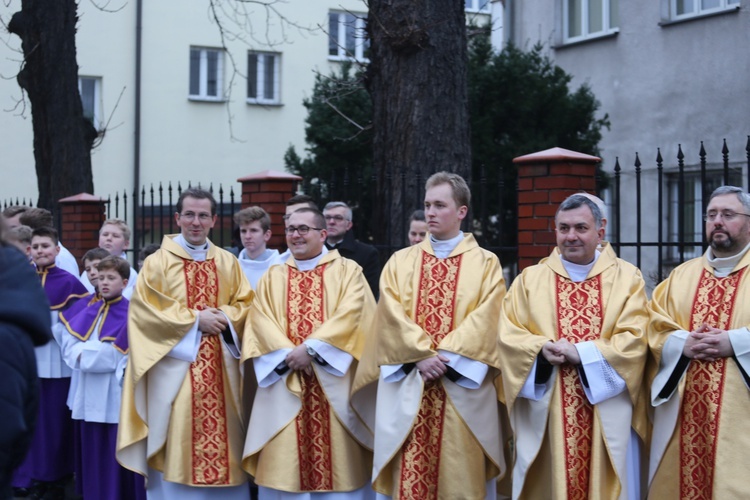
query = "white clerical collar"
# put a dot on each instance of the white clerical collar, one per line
(578, 272)
(198, 253)
(723, 265)
(307, 265)
(443, 248)
(263, 257)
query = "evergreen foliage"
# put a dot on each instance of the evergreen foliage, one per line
(520, 102)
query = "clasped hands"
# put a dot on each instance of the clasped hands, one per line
(560, 352)
(212, 321)
(708, 344)
(433, 368)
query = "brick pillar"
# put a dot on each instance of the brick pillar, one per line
(81, 218)
(545, 179)
(270, 190)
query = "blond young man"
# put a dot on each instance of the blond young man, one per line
(433, 360)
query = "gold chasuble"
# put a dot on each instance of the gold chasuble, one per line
(565, 447)
(437, 440)
(700, 437)
(180, 417)
(303, 435)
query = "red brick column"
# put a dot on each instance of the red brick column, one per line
(270, 190)
(545, 179)
(81, 218)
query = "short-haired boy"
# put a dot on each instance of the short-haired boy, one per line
(255, 231)
(114, 237)
(95, 347)
(49, 462)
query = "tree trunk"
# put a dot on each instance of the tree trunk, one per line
(62, 137)
(417, 81)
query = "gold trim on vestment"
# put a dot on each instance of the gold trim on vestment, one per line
(420, 464)
(434, 312)
(579, 316)
(699, 429)
(305, 310)
(210, 440)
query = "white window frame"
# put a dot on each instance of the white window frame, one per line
(203, 77)
(699, 11)
(474, 6)
(585, 35)
(97, 118)
(260, 78)
(360, 44)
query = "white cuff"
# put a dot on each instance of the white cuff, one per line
(233, 349)
(265, 365)
(472, 371)
(740, 340)
(604, 382)
(670, 356)
(338, 360)
(392, 373)
(533, 391)
(187, 348)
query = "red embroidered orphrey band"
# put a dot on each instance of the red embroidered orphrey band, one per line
(210, 441)
(704, 385)
(579, 319)
(305, 310)
(434, 312)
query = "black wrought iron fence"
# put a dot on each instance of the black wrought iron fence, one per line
(658, 208)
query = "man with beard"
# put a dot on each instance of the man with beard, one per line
(700, 358)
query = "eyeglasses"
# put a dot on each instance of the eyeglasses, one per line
(302, 230)
(337, 218)
(190, 216)
(726, 215)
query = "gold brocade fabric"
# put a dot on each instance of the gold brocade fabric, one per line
(420, 464)
(572, 457)
(579, 315)
(437, 295)
(717, 428)
(428, 304)
(713, 306)
(177, 417)
(210, 437)
(311, 447)
(209, 447)
(305, 312)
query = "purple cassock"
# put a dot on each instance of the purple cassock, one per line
(98, 475)
(50, 457)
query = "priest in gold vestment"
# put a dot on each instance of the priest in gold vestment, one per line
(304, 337)
(700, 360)
(433, 361)
(573, 350)
(180, 421)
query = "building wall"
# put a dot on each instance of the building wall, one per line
(661, 85)
(181, 140)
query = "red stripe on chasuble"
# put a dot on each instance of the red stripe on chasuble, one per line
(434, 312)
(210, 439)
(579, 319)
(305, 310)
(704, 386)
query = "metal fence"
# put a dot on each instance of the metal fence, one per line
(658, 209)
(655, 210)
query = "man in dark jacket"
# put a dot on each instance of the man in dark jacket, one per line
(24, 324)
(339, 223)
